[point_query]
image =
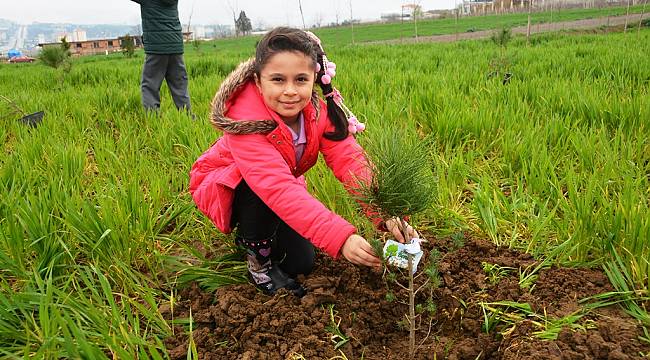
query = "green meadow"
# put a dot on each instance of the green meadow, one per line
(97, 228)
(339, 36)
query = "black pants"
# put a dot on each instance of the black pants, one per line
(255, 222)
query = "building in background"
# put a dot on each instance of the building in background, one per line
(409, 11)
(78, 35)
(484, 7)
(95, 47)
(198, 32)
(392, 17)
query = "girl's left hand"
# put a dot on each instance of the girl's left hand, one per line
(394, 225)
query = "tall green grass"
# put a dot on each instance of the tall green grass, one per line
(94, 202)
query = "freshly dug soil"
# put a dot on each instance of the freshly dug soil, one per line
(238, 322)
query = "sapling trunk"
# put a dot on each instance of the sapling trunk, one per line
(627, 14)
(411, 309)
(411, 294)
(638, 31)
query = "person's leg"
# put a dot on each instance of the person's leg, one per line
(257, 229)
(153, 73)
(177, 82)
(294, 253)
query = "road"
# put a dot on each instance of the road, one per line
(633, 22)
(16, 41)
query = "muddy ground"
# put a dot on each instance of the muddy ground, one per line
(238, 322)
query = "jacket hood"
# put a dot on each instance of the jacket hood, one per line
(249, 113)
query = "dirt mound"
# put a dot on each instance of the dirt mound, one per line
(237, 322)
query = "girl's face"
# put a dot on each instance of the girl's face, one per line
(286, 83)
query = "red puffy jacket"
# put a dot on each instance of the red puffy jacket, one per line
(267, 163)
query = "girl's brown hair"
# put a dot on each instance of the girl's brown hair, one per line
(289, 39)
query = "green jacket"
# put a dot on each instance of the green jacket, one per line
(161, 29)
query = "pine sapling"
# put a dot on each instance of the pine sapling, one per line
(57, 57)
(402, 185)
(499, 64)
(127, 44)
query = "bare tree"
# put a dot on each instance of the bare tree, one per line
(528, 27)
(302, 16)
(318, 19)
(627, 14)
(638, 30)
(417, 10)
(337, 14)
(189, 21)
(352, 22)
(260, 24)
(457, 10)
(233, 10)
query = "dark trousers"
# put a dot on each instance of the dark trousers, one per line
(256, 222)
(170, 68)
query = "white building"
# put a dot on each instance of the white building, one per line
(78, 35)
(198, 32)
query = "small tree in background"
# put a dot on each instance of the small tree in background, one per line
(65, 45)
(501, 37)
(243, 24)
(127, 44)
(53, 56)
(57, 57)
(500, 64)
(196, 43)
(402, 185)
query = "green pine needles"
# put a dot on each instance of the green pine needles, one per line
(403, 182)
(53, 56)
(127, 44)
(57, 57)
(502, 36)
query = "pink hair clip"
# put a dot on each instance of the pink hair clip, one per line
(354, 125)
(336, 95)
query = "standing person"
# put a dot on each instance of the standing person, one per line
(251, 179)
(163, 46)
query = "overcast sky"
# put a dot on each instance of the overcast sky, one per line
(207, 12)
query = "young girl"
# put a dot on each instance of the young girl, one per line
(274, 126)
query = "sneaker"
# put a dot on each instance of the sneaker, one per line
(271, 278)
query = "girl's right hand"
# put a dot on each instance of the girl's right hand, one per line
(358, 251)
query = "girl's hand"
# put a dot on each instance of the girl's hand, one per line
(394, 225)
(358, 251)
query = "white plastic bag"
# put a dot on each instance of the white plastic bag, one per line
(396, 253)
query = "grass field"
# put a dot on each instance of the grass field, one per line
(377, 32)
(96, 221)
